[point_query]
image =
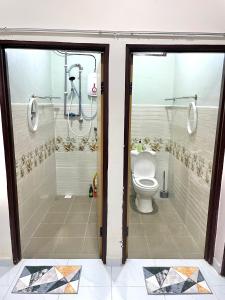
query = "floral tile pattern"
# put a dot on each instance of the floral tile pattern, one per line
(175, 280)
(27, 162)
(71, 144)
(191, 160)
(48, 280)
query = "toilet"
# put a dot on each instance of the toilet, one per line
(143, 177)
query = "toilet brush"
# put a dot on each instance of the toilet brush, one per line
(164, 193)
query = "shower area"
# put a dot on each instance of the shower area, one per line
(174, 108)
(56, 107)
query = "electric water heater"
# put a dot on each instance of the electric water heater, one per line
(92, 84)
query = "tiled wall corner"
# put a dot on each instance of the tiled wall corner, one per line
(76, 158)
(36, 174)
(186, 159)
(190, 166)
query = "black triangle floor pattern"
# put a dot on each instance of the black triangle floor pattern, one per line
(48, 280)
(175, 280)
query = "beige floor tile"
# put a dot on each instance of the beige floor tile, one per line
(80, 207)
(157, 236)
(93, 218)
(160, 253)
(165, 206)
(73, 218)
(87, 256)
(185, 242)
(61, 198)
(134, 217)
(55, 218)
(163, 239)
(38, 255)
(172, 218)
(155, 229)
(91, 246)
(136, 229)
(72, 230)
(72, 255)
(91, 230)
(38, 246)
(94, 206)
(60, 206)
(191, 255)
(47, 230)
(68, 245)
(166, 234)
(178, 229)
(155, 218)
(137, 247)
(81, 199)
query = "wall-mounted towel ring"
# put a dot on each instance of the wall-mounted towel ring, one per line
(32, 114)
(192, 119)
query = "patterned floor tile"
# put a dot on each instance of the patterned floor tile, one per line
(175, 280)
(48, 280)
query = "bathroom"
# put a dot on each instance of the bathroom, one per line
(173, 119)
(56, 106)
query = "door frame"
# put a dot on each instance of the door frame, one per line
(219, 148)
(222, 272)
(8, 137)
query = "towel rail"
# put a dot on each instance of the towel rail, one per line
(195, 97)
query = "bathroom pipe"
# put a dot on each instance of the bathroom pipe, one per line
(73, 93)
(89, 118)
(71, 78)
(65, 83)
(70, 127)
(4, 30)
(70, 53)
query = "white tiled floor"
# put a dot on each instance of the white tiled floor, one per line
(100, 282)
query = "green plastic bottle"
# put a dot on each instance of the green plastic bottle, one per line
(139, 146)
(91, 191)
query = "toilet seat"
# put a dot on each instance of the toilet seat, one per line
(147, 183)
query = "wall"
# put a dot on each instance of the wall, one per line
(76, 158)
(190, 165)
(36, 175)
(220, 238)
(173, 15)
(148, 72)
(57, 73)
(199, 73)
(192, 156)
(35, 152)
(5, 241)
(26, 76)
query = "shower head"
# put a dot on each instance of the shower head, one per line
(71, 78)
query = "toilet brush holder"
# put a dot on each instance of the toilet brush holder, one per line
(164, 193)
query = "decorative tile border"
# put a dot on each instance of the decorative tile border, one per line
(71, 144)
(191, 160)
(155, 144)
(27, 162)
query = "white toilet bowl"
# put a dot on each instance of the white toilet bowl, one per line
(144, 183)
